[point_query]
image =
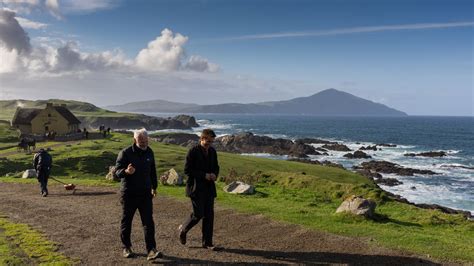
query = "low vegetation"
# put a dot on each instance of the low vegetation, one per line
(22, 245)
(291, 192)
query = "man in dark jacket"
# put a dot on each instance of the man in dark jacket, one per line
(42, 162)
(136, 168)
(202, 169)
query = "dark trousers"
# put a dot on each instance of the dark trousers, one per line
(144, 204)
(203, 208)
(43, 177)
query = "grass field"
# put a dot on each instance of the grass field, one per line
(291, 192)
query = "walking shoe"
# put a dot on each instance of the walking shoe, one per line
(210, 247)
(44, 194)
(154, 254)
(127, 253)
(182, 235)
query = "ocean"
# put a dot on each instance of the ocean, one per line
(452, 187)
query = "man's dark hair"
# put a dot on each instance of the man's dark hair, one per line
(208, 133)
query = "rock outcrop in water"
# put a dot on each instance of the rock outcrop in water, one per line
(324, 163)
(391, 168)
(250, 143)
(428, 154)
(182, 139)
(336, 147)
(357, 155)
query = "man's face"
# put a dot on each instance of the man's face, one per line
(142, 142)
(206, 142)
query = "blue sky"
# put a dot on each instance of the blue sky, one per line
(413, 55)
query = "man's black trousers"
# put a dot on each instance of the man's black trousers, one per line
(203, 208)
(43, 176)
(144, 204)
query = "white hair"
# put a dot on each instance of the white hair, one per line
(140, 132)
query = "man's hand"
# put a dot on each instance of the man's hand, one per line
(211, 177)
(153, 192)
(130, 169)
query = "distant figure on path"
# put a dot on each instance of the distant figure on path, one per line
(42, 162)
(136, 168)
(202, 169)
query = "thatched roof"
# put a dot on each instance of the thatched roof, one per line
(23, 116)
(70, 117)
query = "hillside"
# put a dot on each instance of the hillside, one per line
(93, 116)
(329, 102)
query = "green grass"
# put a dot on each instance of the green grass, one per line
(290, 192)
(20, 245)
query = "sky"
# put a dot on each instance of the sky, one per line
(412, 55)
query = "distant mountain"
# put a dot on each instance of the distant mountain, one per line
(329, 102)
(152, 106)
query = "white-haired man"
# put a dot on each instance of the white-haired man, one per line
(137, 170)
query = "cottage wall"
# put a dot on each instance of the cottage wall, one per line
(50, 120)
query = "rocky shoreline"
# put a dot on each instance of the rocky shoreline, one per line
(299, 150)
(139, 121)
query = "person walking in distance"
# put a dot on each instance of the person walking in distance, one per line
(202, 169)
(42, 162)
(137, 170)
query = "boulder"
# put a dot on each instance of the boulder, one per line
(238, 187)
(111, 174)
(357, 155)
(30, 173)
(171, 177)
(358, 206)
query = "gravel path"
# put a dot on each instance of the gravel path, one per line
(86, 225)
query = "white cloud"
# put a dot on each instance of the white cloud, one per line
(26, 23)
(53, 8)
(198, 63)
(166, 53)
(55, 57)
(12, 35)
(421, 26)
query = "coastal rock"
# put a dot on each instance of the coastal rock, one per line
(373, 148)
(111, 174)
(238, 187)
(250, 143)
(357, 155)
(391, 182)
(30, 173)
(387, 145)
(358, 206)
(369, 174)
(336, 147)
(171, 177)
(428, 154)
(182, 139)
(139, 121)
(457, 166)
(187, 120)
(391, 168)
(324, 163)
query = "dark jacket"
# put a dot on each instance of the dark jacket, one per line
(144, 179)
(196, 167)
(42, 161)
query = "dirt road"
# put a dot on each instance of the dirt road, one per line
(87, 227)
